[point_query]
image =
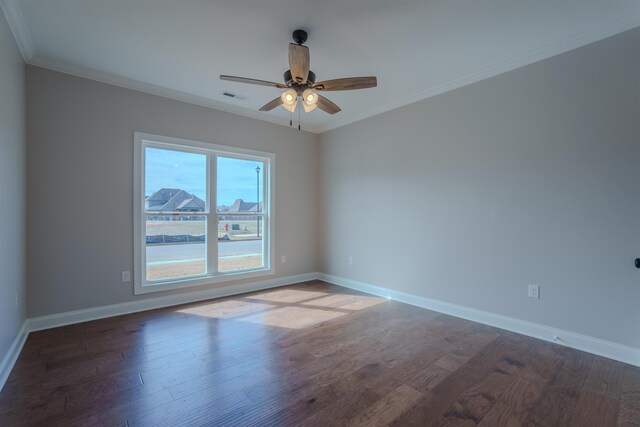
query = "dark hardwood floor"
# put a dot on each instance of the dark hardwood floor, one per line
(309, 354)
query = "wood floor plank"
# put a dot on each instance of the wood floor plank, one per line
(629, 414)
(402, 373)
(474, 403)
(561, 395)
(594, 409)
(342, 410)
(605, 377)
(428, 378)
(514, 405)
(388, 408)
(299, 410)
(430, 410)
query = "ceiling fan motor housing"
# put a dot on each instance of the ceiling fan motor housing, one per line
(288, 79)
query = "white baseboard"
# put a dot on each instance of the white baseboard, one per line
(79, 316)
(12, 355)
(611, 350)
(608, 349)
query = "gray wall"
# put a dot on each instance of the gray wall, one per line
(529, 177)
(80, 156)
(12, 189)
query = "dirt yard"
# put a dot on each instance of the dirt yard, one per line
(191, 268)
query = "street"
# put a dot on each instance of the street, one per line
(190, 251)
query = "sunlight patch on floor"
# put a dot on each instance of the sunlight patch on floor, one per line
(287, 295)
(226, 309)
(346, 302)
(293, 317)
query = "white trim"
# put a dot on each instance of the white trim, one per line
(11, 357)
(95, 313)
(598, 33)
(611, 350)
(18, 27)
(622, 353)
(127, 83)
(601, 32)
(212, 151)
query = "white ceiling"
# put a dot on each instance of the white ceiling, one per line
(416, 48)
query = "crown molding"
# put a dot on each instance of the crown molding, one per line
(13, 14)
(19, 29)
(596, 34)
(152, 89)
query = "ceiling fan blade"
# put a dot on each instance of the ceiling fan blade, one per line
(252, 81)
(327, 106)
(299, 62)
(348, 83)
(271, 104)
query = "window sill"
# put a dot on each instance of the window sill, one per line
(159, 286)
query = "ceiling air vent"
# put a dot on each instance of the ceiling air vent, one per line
(235, 95)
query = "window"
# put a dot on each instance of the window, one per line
(202, 213)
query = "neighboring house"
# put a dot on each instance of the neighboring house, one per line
(173, 200)
(241, 206)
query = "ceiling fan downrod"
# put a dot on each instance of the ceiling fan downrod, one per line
(299, 36)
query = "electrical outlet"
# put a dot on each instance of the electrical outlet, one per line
(534, 291)
(283, 259)
(126, 277)
(351, 261)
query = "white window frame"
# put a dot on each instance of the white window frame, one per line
(213, 276)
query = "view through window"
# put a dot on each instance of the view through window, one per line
(176, 213)
(240, 214)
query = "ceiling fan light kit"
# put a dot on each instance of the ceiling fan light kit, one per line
(300, 82)
(289, 100)
(309, 100)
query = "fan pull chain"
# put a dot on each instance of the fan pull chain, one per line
(290, 118)
(299, 118)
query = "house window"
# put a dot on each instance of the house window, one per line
(202, 213)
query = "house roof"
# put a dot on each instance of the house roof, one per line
(241, 206)
(174, 200)
(163, 194)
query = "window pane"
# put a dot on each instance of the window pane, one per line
(240, 191)
(176, 246)
(240, 185)
(240, 242)
(175, 181)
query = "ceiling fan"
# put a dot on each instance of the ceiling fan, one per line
(300, 82)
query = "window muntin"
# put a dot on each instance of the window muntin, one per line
(180, 239)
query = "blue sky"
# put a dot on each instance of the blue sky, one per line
(188, 171)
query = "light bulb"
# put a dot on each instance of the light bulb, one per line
(309, 97)
(309, 100)
(289, 96)
(289, 99)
